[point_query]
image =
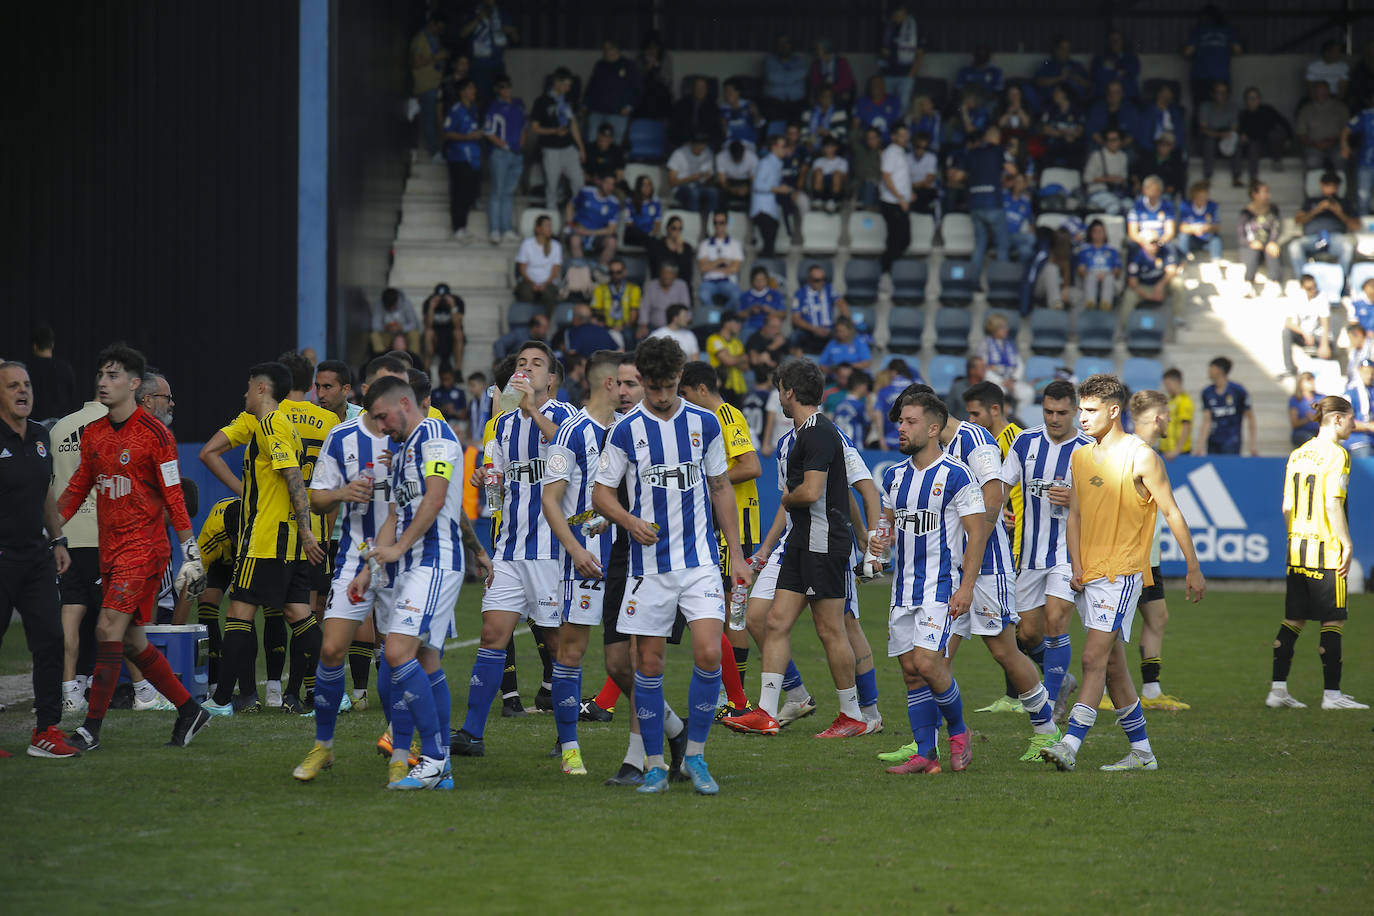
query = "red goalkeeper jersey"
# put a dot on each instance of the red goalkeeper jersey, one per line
(133, 467)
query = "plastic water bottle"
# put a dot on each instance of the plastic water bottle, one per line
(591, 523)
(510, 395)
(369, 473)
(758, 561)
(739, 597)
(492, 480)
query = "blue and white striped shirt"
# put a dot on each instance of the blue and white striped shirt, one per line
(431, 449)
(974, 446)
(349, 448)
(518, 453)
(928, 507)
(574, 457)
(1037, 463)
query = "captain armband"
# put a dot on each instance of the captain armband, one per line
(439, 468)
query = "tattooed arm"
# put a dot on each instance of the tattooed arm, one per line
(300, 503)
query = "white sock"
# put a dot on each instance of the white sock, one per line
(329, 743)
(870, 712)
(71, 689)
(1279, 685)
(1073, 742)
(273, 685)
(769, 691)
(655, 762)
(849, 702)
(545, 685)
(634, 756)
(570, 745)
(1151, 690)
(695, 747)
(672, 722)
(1331, 694)
(1143, 747)
(144, 691)
(797, 694)
(83, 681)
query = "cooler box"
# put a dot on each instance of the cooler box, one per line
(187, 648)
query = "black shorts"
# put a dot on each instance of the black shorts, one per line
(271, 583)
(219, 576)
(322, 576)
(815, 575)
(80, 584)
(1153, 592)
(726, 577)
(1314, 594)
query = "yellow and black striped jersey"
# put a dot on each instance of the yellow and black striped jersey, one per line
(735, 432)
(1317, 471)
(219, 536)
(312, 423)
(1004, 440)
(267, 527)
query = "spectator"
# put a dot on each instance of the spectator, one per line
(1061, 70)
(719, 261)
(739, 117)
(1150, 222)
(1016, 206)
(679, 329)
(868, 169)
(815, 308)
(1199, 223)
(1362, 307)
(505, 129)
(509, 343)
(725, 352)
(394, 315)
(924, 168)
(970, 119)
(428, 60)
(756, 412)
(827, 120)
(1362, 126)
(656, 76)
(447, 398)
(1099, 267)
(1324, 225)
(1301, 410)
(1015, 118)
(444, 339)
(760, 300)
(975, 371)
(796, 168)
(612, 90)
(463, 149)
(1361, 348)
(1362, 77)
(766, 189)
(981, 74)
(661, 295)
(830, 69)
(1165, 116)
(828, 177)
(1320, 123)
(539, 261)
(1152, 280)
(1118, 64)
(692, 176)
(1218, 120)
(488, 35)
(784, 82)
(573, 388)
(900, 55)
(1164, 161)
(1225, 406)
(1263, 132)
(560, 140)
(586, 336)
(1308, 326)
(895, 197)
(1062, 127)
(605, 155)
(54, 383)
(592, 218)
(1258, 231)
(615, 305)
(1003, 359)
(767, 346)
(1178, 437)
(1054, 282)
(922, 118)
(1210, 47)
(877, 108)
(846, 346)
(1107, 176)
(735, 169)
(695, 115)
(899, 377)
(1017, 159)
(1361, 397)
(1331, 69)
(1114, 112)
(851, 413)
(459, 69)
(674, 249)
(983, 167)
(643, 215)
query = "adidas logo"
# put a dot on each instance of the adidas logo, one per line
(641, 444)
(569, 701)
(1218, 528)
(5, 453)
(72, 443)
(475, 682)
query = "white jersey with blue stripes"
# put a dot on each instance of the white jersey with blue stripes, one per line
(855, 471)
(574, 457)
(928, 506)
(430, 450)
(664, 465)
(1038, 464)
(348, 449)
(974, 446)
(518, 452)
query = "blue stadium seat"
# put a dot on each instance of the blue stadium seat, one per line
(1145, 334)
(943, 371)
(636, 267)
(1040, 368)
(905, 325)
(1049, 331)
(1096, 332)
(861, 280)
(1330, 279)
(1140, 374)
(1093, 365)
(1013, 319)
(1005, 279)
(957, 282)
(952, 329)
(648, 141)
(520, 313)
(805, 265)
(909, 276)
(562, 315)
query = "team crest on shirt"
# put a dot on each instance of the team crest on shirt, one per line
(696, 440)
(937, 489)
(630, 608)
(124, 457)
(557, 464)
(42, 450)
(586, 602)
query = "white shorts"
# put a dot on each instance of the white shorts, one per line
(425, 598)
(766, 582)
(377, 598)
(991, 611)
(652, 601)
(1110, 606)
(583, 600)
(851, 595)
(531, 588)
(1033, 585)
(918, 628)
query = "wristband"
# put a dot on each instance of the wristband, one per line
(57, 542)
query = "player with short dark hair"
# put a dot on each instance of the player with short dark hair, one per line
(334, 388)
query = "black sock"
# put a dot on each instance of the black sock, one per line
(510, 684)
(359, 661)
(1149, 670)
(1330, 646)
(306, 639)
(1283, 650)
(274, 642)
(208, 616)
(741, 661)
(238, 635)
(541, 643)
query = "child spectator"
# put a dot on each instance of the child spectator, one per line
(1198, 223)
(760, 300)
(1099, 267)
(1362, 306)
(828, 177)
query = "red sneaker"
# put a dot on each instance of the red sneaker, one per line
(959, 752)
(51, 743)
(4, 754)
(752, 722)
(915, 764)
(844, 727)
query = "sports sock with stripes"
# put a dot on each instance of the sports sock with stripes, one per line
(238, 643)
(1081, 718)
(1329, 645)
(1036, 703)
(567, 691)
(1058, 656)
(922, 713)
(1283, 650)
(952, 708)
(208, 616)
(306, 639)
(1132, 722)
(274, 643)
(108, 657)
(329, 689)
(729, 677)
(410, 683)
(155, 669)
(360, 655)
(482, 688)
(701, 701)
(1035, 653)
(510, 681)
(649, 711)
(443, 706)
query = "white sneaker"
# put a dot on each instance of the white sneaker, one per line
(273, 700)
(495, 238)
(73, 703)
(792, 710)
(873, 726)
(1135, 760)
(158, 702)
(424, 775)
(462, 236)
(1344, 701)
(510, 236)
(1281, 698)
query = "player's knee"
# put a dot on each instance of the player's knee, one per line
(708, 657)
(332, 655)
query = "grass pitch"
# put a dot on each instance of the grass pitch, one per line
(1253, 809)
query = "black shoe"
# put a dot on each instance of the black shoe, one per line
(543, 700)
(461, 744)
(557, 749)
(83, 740)
(512, 708)
(292, 704)
(188, 725)
(677, 747)
(590, 712)
(249, 703)
(627, 775)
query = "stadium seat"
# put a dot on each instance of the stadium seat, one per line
(867, 233)
(1360, 271)
(520, 313)
(636, 267)
(953, 326)
(782, 244)
(861, 280)
(909, 276)
(805, 264)
(738, 225)
(1040, 369)
(562, 315)
(691, 224)
(1312, 183)
(944, 369)
(1141, 374)
(905, 325)
(1049, 331)
(820, 233)
(956, 231)
(1115, 226)
(1012, 316)
(530, 214)
(1071, 180)
(1050, 220)
(1093, 365)
(648, 140)
(1005, 279)
(1096, 332)
(705, 322)
(634, 170)
(1330, 279)
(922, 234)
(1145, 333)
(957, 282)
(776, 267)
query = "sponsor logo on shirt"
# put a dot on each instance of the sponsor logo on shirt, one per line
(917, 521)
(116, 487)
(529, 472)
(672, 476)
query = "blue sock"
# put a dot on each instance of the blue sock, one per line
(1036, 653)
(410, 685)
(1081, 718)
(402, 722)
(487, 670)
(952, 708)
(924, 716)
(443, 704)
(701, 703)
(329, 688)
(1132, 722)
(567, 690)
(649, 711)
(868, 687)
(384, 682)
(1057, 658)
(1037, 705)
(791, 678)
